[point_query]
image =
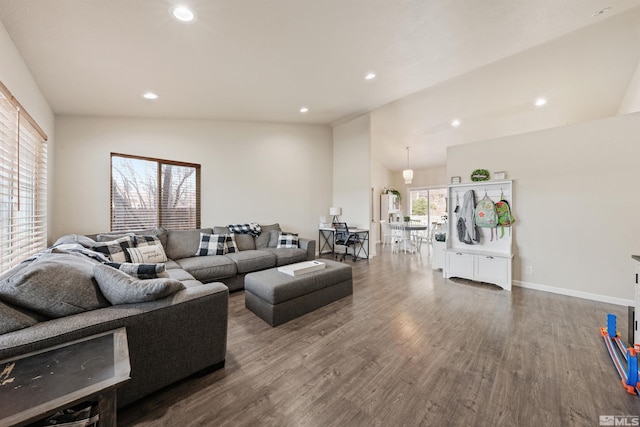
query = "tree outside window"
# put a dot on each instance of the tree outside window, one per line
(147, 193)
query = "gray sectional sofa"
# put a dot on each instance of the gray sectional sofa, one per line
(255, 253)
(173, 331)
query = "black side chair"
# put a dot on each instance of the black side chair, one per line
(344, 238)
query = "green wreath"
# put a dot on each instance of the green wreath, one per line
(480, 175)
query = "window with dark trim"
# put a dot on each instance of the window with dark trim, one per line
(148, 192)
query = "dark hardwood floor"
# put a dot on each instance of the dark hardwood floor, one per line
(408, 349)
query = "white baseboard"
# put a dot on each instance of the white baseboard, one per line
(572, 293)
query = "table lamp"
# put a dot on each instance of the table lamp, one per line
(335, 212)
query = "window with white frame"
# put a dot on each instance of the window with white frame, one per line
(147, 192)
(23, 184)
(428, 205)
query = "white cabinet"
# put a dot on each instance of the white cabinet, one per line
(458, 264)
(491, 269)
(437, 259)
(389, 207)
(479, 266)
(490, 259)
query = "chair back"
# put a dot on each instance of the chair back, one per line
(342, 232)
(397, 228)
(386, 228)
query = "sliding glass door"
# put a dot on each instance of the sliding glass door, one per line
(428, 205)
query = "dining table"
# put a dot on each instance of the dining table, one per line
(406, 236)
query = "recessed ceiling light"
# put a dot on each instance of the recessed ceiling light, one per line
(370, 76)
(455, 123)
(304, 110)
(183, 13)
(150, 95)
(540, 102)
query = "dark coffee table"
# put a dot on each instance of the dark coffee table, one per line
(36, 385)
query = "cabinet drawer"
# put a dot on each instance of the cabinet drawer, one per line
(491, 269)
(459, 264)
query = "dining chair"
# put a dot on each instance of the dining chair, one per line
(386, 233)
(396, 236)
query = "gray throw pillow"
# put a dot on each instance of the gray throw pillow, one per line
(120, 288)
(274, 235)
(262, 241)
(55, 284)
(13, 320)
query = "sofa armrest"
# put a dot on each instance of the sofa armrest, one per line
(310, 246)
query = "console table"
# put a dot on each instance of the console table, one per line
(36, 385)
(326, 239)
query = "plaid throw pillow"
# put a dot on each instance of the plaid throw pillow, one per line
(230, 244)
(287, 240)
(141, 271)
(116, 250)
(211, 244)
(147, 241)
(252, 228)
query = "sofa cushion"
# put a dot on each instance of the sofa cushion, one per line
(179, 274)
(262, 241)
(55, 285)
(12, 319)
(245, 242)
(116, 249)
(287, 256)
(141, 271)
(170, 265)
(211, 244)
(120, 288)
(209, 268)
(184, 243)
(147, 254)
(248, 261)
(287, 241)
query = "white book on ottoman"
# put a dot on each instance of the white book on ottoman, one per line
(301, 268)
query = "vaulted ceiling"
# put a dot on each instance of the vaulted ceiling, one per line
(483, 63)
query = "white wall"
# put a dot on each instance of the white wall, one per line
(351, 172)
(631, 101)
(250, 171)
(432, 177)
(15, 75)
(576, 203)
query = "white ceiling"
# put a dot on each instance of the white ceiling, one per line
(261, 60)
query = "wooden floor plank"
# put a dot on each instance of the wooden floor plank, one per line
(407, 348)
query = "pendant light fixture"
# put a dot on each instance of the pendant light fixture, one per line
(407, 174)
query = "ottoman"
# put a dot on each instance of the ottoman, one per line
(276, 297)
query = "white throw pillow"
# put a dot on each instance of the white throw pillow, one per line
(147, 254)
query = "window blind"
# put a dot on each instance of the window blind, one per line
(148, 192)
(23, 184)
